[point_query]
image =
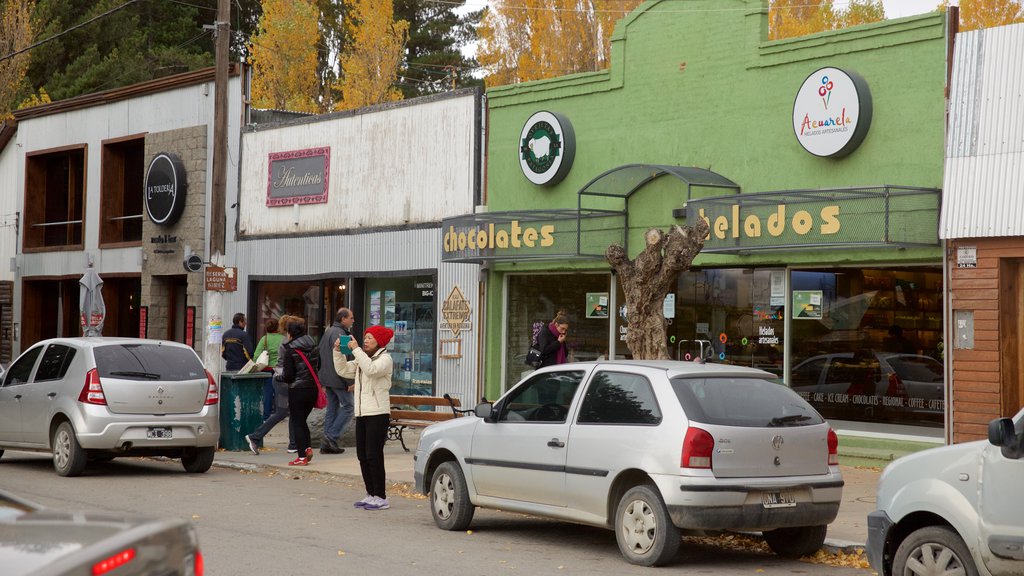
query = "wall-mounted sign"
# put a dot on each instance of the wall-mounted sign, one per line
(193, 263)
(456, 312)
(220, 279)
(547, 146)
(832, 112)
(491, 237)
(298, 177)
(165, 189)
(597, 305)
(966, 257)
(143, 321)
(807, 304)
(775, 223)
(190, 326)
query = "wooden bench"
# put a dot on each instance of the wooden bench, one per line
(404, 413)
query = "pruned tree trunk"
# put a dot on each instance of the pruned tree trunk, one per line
(648, 278)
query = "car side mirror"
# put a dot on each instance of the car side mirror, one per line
(485, 410)
(1001, 432)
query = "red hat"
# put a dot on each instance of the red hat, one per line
(381, 334)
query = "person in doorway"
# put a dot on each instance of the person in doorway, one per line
(336, 386)
(270, 342)
(236, 346)
(297, 373)
(373, 368)
(281, 407)
(551, 341)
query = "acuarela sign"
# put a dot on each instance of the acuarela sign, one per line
(832, 112)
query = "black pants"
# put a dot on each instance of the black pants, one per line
(300, 404)
(371, 433)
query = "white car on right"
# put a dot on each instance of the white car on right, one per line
(953, 510)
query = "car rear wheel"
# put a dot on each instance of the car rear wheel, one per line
(933, 550)
(644, 529)
(449, 498)
(68, 456)
(197, 460)
(796, 542)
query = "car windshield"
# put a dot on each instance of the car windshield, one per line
(916, 368)
(748, 402)
(148, 362)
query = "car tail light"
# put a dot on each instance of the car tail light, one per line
(896, 387)
(199, 568)
(697, 448)
(833, 448)
(92, 392)
(212, 395)
(114, 562)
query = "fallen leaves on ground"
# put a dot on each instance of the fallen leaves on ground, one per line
(855, 559)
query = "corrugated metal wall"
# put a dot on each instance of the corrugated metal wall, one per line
(984, 174)
(367, 255)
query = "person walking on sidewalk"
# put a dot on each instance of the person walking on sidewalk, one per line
(280, 412)
(373, 367)
(336, 386)
(297, 373)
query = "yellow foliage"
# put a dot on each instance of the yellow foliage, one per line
(523, 40)
(284, 56)
(976, 14)
(792, 18)
(15, 35)
(370, 66)
(38, 99)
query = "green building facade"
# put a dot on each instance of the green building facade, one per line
(817, 162)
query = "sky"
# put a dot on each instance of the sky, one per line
(901, 8)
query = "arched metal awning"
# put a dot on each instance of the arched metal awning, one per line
(623, 181)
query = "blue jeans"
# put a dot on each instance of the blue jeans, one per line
(268, 397)
(339, 412)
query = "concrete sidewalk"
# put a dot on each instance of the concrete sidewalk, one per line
(847, 533)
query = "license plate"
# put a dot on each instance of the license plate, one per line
(778, 500)
(159, 433)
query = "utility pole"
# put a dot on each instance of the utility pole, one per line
(213, 301)
(220, 126)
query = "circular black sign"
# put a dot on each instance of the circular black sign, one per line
(193, 263)
(165, 189)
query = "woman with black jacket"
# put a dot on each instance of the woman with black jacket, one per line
(551, 341)
(295, 372)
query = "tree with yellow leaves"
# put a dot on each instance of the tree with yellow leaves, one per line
(283, 54)
(369, 67)
(976, 14)
(15, 35)
(523, 40)
(791, 18)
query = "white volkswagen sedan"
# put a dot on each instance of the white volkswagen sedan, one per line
(98, 398)
(650, 449)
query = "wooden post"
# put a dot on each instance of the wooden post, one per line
(220, 128)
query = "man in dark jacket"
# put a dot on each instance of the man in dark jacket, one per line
(339, 399)
(236, 346)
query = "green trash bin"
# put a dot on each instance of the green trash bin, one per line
(241, 407)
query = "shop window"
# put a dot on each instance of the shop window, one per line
(871, 345)
(725, 316)
(533, 301)
(123, 174)
(54, 199)
(406, 305)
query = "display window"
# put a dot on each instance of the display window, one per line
(871, 344)
(533, 302)
(406, 305)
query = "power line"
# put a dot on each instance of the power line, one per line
(72, 29)
(487, 4)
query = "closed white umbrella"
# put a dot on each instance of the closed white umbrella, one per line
(90, 303)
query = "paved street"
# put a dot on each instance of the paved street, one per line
(302, 522)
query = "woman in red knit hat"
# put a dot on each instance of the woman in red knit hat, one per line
(372, 390)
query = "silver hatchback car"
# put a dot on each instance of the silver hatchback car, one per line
(99, 398)
(650, 449)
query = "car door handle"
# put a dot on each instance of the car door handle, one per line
(556, 443)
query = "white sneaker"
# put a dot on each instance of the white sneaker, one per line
(362, 503)
(377, 504)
